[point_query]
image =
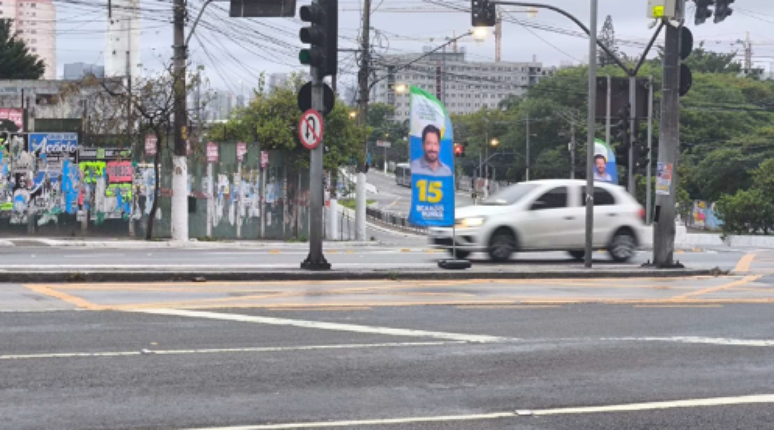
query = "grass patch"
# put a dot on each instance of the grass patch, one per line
(350, 203)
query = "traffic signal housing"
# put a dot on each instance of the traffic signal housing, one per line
(623, 125)
(641, 156)
(723, 10)
(703, 10)
(322, 36)
(459, 150)
(483, 13)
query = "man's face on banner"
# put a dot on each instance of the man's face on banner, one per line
(431, 146)
(600, 163)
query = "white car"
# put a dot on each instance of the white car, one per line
(547, 215)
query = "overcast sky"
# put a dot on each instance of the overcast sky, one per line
(234, 64)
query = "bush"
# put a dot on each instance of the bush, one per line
(746, 212)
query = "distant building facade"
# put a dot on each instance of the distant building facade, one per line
(78, 71)
(35, 23)
(464, 86)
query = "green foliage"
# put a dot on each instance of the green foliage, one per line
(16, 61)
(750, 211)
(703, 61)
(272, 119)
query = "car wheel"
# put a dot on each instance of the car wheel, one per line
(460, 254)
(578, 255)
(623, 246)
(502, 245)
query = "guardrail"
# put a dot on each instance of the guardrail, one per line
(393, 219)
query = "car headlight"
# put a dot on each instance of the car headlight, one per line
(472, 222)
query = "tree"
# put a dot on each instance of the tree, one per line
(16, 61)
(607, 37)
(704, 61)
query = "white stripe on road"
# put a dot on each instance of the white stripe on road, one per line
(699, 340)
(720, 401)
(324, 325)
(228, 350)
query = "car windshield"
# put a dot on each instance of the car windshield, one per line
(509, 195)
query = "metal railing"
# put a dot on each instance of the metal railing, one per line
(393, 219)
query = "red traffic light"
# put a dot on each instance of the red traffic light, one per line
(459, 150)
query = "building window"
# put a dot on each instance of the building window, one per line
(33, 5)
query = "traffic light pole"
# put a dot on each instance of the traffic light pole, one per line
(180, 156)
(316, 260)
(668, 144)
(649, 186)
(632, 131)
(360, 186)
(591, 128)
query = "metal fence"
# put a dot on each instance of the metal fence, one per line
(393, 219)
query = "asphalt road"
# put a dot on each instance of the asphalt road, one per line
(429, 367)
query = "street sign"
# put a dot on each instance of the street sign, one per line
(264, 159)
(212, 152)
(150, 144)
(262, 9)
(305, 98)
(241, 151)
(383, 143)
(310, 129)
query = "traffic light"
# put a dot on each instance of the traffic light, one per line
(622, 155)
(641, 156)
(703, 10)
(322, 35)
(483, 13)
(623, 126)
(459, 150)
(723, 10)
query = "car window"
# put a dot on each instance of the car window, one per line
(553, 199)
(509, 195)
(602, 197)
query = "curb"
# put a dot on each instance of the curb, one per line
(139, 244)
(266, 276)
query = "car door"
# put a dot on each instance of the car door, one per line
(606, 215)
(548, 220)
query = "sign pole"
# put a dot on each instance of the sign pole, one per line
(316, 260)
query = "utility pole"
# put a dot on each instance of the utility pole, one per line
(360, 190)
(129, 122)
(591, 126)
(180, 157)
(668, 144)
(609, 108)
(573, 147)
(632, 131)
(527, 157)
(649, 186)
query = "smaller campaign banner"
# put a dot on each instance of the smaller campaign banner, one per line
(605, 167)
(431, 151)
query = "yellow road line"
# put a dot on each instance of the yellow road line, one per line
(678, 306)
(744, 281)
(73, 300)
(744, 263)
(509, 307)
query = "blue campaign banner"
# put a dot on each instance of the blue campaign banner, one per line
(605, 167)
(54, 145)
(431, 151)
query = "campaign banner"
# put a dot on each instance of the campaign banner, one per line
(605, 167)
(431, 151)
(50, 151)
(14, 115)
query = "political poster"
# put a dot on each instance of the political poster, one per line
(605, 167)
(431, 151)
(664, 179)
(51, 150)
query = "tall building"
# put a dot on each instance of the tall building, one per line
(77, 71)
(35, 22)
(277, 80)
(464, 86)
(122, 42)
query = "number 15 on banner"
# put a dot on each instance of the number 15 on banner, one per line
(430, 191)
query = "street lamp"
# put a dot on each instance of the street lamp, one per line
(480, 33)
(494, 142)
(353, 114)
(401, 88)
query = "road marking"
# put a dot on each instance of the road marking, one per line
(508, 307)
(325, 325)
(744, 263)
(678, 306)
(694, 403)
(68, 298)
(323, 309)
(744, 281)
(699, 340)
(226, 350)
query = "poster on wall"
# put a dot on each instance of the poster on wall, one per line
(663, 179)
(212, 152)
(432, 162)
(14, 115)
(51, 150)
(241, 151)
